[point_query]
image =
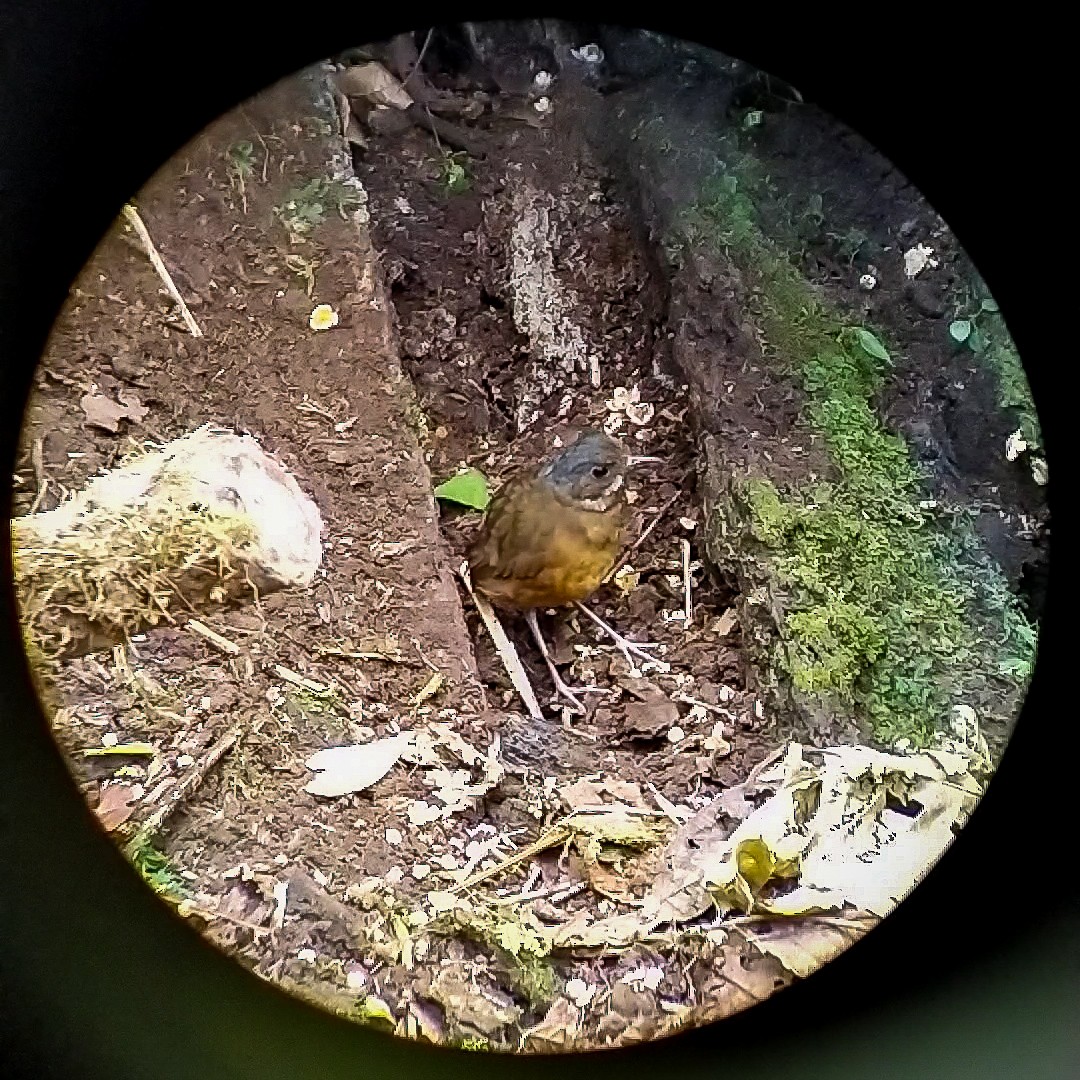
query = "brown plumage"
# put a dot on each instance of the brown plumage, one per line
(551, 534)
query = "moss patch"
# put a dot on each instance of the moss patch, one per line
(894, 610)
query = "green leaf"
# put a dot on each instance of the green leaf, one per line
(960, 330)
(989, 305)
(976, 342)
(468, 488)
(870, 344)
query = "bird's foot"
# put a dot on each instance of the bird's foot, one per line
(570, 692)
(628, 648)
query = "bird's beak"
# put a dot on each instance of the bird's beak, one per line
(634, 459)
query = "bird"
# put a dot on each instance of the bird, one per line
(551, 534)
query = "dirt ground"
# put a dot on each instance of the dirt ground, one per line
(432, 365)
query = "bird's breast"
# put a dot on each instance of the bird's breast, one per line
(557, 564)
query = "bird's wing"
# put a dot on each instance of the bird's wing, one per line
(515, 536)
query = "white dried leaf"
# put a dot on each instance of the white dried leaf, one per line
(421, 813)
(345, 769)
(579, 992)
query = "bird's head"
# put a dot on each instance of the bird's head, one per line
(590, 472)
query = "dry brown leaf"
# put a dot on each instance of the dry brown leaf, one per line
(428, 1021)
(804, 945)
(733, 981)
(104, 413)
(136, 410)
(465, 1002)
(651, 718)
(588, 792)
(116, 805)
(556, 1032)
(374, 83)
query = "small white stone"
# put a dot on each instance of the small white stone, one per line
(393, 837)
(868, 282)
(676, 735)
(1015, 445)
(917, 259)
(307, 955)
(589, 54)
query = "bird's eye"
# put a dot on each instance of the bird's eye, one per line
(600, 471)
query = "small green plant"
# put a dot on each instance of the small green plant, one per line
(979, 327)
(473, 1042)
(848, 244)
(306, 207)
(156, 869)
(240, 166)
(453, 174)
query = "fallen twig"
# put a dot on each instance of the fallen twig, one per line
(505, 648)
(296, 679)
(223, 643)
(188, 784)
(186, 908)
(136, 223)
(558, 835)
(449, 133)
(688, 598)
(563, 891)
(643, 537)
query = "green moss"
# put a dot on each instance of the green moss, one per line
(520, 949)
(891, 611)
(472, 1042)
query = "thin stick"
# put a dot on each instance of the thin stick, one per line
(688, 606)
(419, 58)
(39, 498)
(136, 223)
(297, 679)
(552, 837)
(505, 648)
(562, 890)
(642, 538)
(228, 647)
(190, 782)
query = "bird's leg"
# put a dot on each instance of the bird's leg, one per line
(627, 647)
(565, 691)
